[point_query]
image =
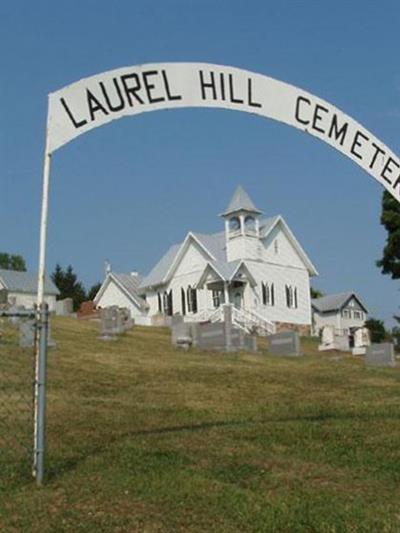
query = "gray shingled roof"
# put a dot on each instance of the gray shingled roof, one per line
(334, 302)
(226, 269)
(25, 282)
(214, 243)
(131, 285)
(240, 201)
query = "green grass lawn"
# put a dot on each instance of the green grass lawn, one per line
(143, 437)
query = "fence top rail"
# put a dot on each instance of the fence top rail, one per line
(22, 312)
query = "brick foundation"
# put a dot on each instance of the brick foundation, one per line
(303, 329)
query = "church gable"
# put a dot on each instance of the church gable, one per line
(281, 247)
(191, 258)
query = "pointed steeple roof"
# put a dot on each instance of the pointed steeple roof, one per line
(240, 202)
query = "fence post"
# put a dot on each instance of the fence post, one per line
(40, 414)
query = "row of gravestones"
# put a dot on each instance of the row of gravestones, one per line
(216, 336)
(114, 321)
(331, 339)
(288, 343)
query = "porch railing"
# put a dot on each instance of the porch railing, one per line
(250, 321)
(244, 319)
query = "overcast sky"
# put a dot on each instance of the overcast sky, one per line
(127, 191)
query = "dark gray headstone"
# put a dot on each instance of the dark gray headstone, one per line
(26, 333)
(380, 355)
(284, 343)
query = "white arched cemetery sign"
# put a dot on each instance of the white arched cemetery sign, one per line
(94, 101)
(97, 100)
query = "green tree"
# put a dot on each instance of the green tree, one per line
(12, 262)
(390, 219)
(396, 338)
(377, 329)
(94, 289)
(315, 293)
(67, 283)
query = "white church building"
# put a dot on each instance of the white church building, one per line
(255, 263)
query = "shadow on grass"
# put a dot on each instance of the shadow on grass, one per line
(59, 468)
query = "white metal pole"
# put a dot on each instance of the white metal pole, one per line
(39, 439)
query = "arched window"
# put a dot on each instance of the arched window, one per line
(191, 298)
(250, 223)
(234, 224)
(291, 296)
(268, 294)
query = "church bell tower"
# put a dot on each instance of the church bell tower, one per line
(242, 227)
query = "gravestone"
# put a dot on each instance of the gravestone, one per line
(27, 333)
(64, 307)
(380, 355)
(285, 343)
(181, 332)
(114, 321)
(332, 341)
(361, 341)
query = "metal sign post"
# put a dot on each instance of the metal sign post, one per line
(42, 323)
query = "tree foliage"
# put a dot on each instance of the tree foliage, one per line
(67, 283)
(390, 219)
(377, 329)
(315, 293)
(12, 262)
(94, 289)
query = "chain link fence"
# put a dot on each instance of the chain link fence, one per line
(17, 372)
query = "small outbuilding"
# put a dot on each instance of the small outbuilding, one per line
(344, 312)
(122, 290)
(20, 289)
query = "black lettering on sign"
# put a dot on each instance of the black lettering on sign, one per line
(251, 103)
(132, 91)
(301, 99)
(150, 86)
(76, 123)
(167, 89)
(207, 85)
(356, 142)
(377, 151)
(94, 105)
(113, 107)
(318, 117)
(231, 94)
(222, 82)
(396, 183)
(340, 133)
(387, 170)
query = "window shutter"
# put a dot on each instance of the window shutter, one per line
(159, 302)
(194, 300)
(272, 294)
(183, 301)
(170, 304)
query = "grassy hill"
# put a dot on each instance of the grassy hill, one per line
(143, 437)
